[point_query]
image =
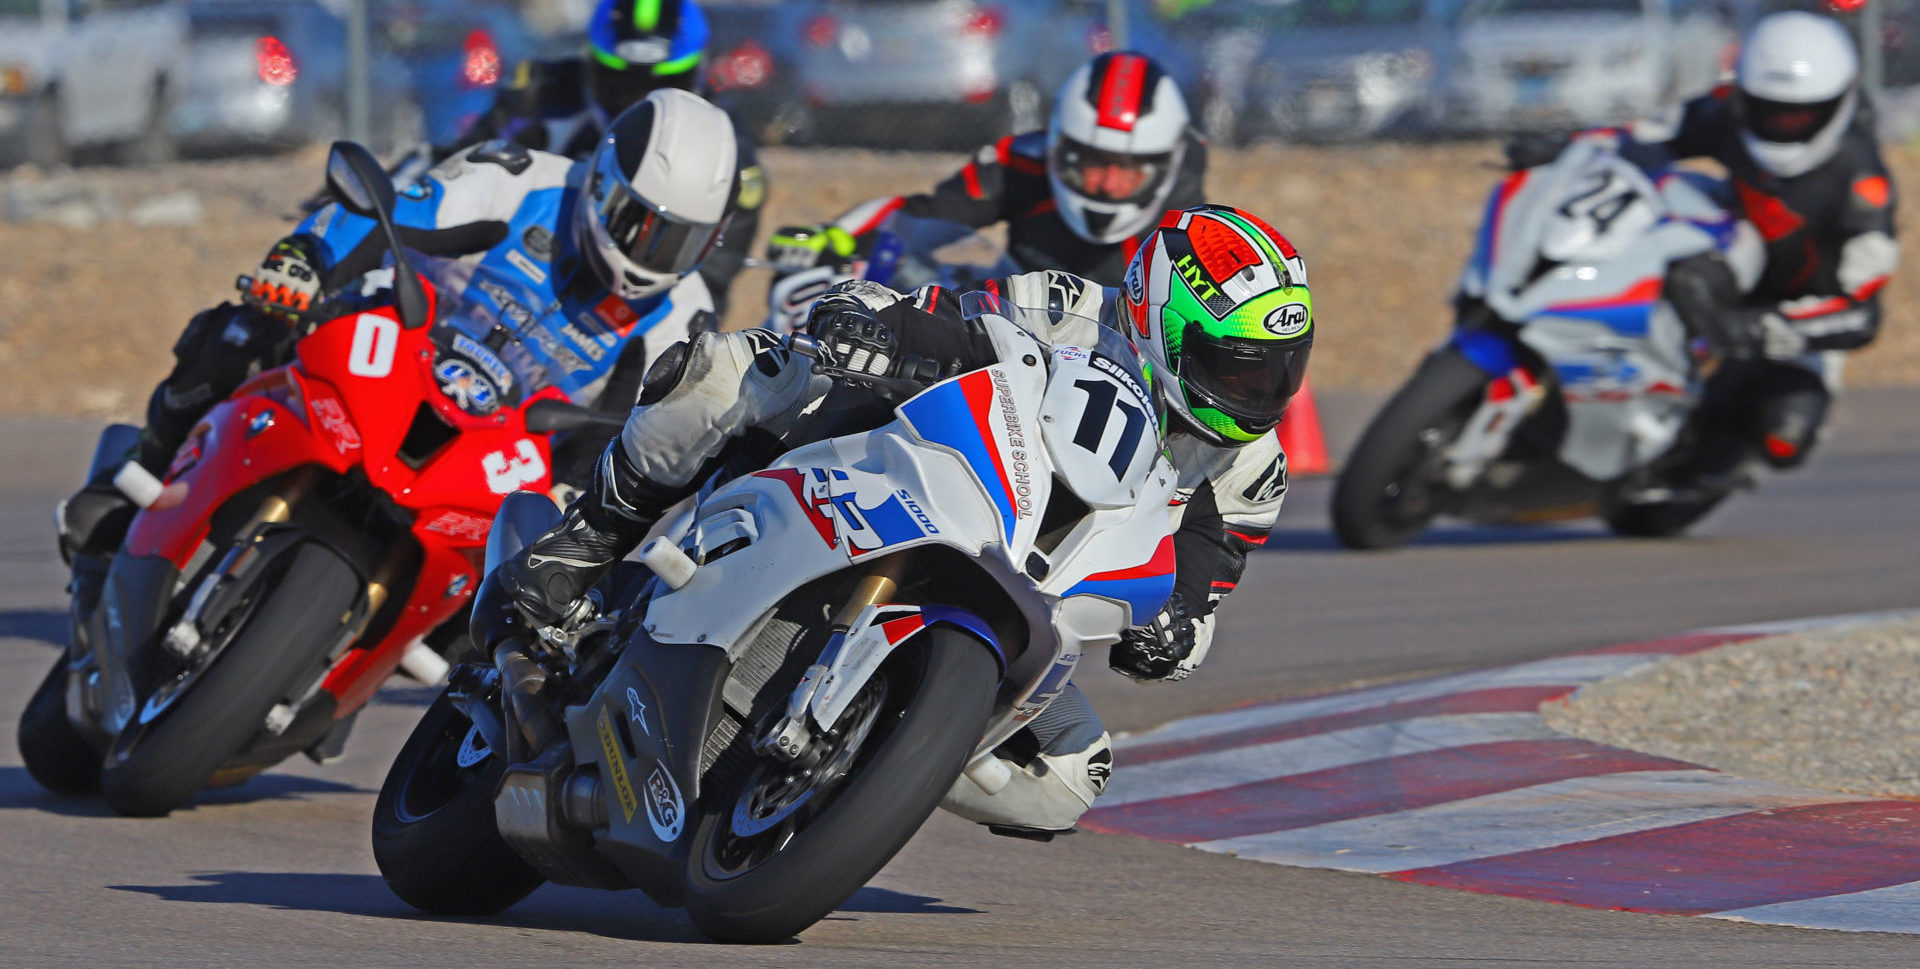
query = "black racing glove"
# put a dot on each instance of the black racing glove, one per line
(1530, 149)
(287, 283)
(1155, 651)
(859, 343)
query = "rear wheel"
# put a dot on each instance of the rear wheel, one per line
(1661, 519)
(1390, 490)
(191, 723)
(56, 753)
(434, 835)
(777, 852)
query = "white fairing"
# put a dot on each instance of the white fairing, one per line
(1618, 350)
(969, 464)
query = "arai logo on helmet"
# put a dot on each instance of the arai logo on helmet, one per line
(1288, 320)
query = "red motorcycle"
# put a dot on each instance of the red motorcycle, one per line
(316, 523)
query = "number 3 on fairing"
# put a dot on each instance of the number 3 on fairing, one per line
(507, 474)
(1092, 433)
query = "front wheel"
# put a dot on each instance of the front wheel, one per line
(1389, 490)
(191, 723)
(776, 854)
(434, 835)
(56, 753)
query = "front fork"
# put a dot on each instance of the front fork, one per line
(1510, 398)
(792, 737)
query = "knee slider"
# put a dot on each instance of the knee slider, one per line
(1790, 426)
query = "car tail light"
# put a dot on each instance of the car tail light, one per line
(746, 66)
(820, 30)
(482, 65)
(274, 62)
(986, 22)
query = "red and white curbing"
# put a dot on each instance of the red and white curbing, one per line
(1457, 781)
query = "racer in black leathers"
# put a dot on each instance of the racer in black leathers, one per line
(562, 106)
(737, 400)
(1829, 236)
(1119, 108)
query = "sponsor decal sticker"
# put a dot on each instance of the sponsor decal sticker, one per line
(526, 266)
(1288, 320)
(617, 768)
(538, 241)
(332, 418)
(485, 359)
(464, 385)
(616, 313)
(1016, 445)
(666, 812)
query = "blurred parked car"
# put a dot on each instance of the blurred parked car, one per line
(751, 59)
(941, 74)
(1522, 64)
(1306, 70)
(89, 73)
(273, 74)
(455, 52)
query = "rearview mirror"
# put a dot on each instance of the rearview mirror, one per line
(358, 180)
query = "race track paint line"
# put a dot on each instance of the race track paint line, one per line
(1511, 822)
(1457, 781)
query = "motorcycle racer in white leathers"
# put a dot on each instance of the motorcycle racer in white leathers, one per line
(1218, 305)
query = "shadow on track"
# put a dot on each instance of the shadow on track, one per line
(1446, 536)
(19, 792)
(47, 626)
(628, 916)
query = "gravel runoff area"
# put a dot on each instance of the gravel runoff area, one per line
(101, 267)
(1834, 708)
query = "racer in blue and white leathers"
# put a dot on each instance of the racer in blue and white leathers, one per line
(529, 278)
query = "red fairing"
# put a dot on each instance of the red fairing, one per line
(358, 386)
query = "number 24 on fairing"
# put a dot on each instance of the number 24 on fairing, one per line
(507, 474)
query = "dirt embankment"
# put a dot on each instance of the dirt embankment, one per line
(1830, 708)
(91, 302)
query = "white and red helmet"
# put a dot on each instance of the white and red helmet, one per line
(1114, 149)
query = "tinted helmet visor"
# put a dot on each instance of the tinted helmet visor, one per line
(1109, 176)
(1784, 122)
(653, 240)
(1248, 380)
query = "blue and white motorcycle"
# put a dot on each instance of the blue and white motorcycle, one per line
(1569, 375)
(815, 652)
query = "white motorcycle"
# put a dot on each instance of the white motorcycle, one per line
(1569, 373)
(814, 653)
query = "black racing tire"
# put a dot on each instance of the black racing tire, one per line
(434, 835)
(57, 755)
(1663, 519)
(1378, 501)
(892, 787)
(286, 637)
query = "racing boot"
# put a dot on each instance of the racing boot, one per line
(1057, 766)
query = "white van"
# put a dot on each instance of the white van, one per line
(89, 73)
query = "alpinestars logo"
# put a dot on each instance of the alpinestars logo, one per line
(1099, 770)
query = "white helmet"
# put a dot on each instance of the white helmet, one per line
(1115, 146)
(1797, 91)
(657, 193)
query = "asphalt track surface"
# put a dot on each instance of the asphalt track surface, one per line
(278, 872)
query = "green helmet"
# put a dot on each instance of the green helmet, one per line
(1219, 306)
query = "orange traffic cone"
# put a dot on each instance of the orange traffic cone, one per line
(1300, 436)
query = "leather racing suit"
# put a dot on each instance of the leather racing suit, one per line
(1007, 182)
(724, 396)
(1830, 248)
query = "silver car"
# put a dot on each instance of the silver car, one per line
(1523, 64)
(946, 73)
(1306, 70)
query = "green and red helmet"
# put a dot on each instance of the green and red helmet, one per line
(1219, 306)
